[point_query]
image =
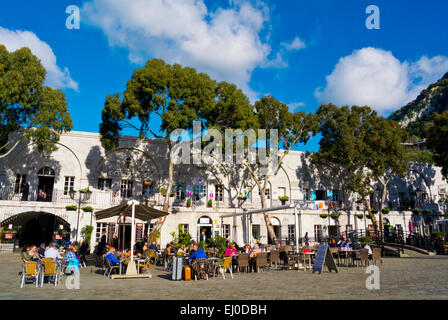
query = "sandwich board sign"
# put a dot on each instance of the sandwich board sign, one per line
(324, 257)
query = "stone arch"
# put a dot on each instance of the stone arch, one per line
(35, 227)
(54, 164)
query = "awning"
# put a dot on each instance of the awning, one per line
(142, 212)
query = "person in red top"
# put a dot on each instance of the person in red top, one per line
(230, 251)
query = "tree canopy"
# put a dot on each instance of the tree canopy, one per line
(27, 104)
(438, 140)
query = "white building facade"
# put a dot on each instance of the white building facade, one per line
(139, 170)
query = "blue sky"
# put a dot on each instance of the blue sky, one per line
(304, 53)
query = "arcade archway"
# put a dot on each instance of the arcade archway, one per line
(36, 227)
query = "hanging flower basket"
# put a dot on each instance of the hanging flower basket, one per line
(374, 211)
(71, 208)
(385, 211)
(369, 216)
(360, 216)
(335, 215)
(324, 215)
(87, 209)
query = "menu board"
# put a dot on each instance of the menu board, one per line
(324, 257)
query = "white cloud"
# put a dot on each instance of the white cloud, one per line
(296, 44)
(227, 43)
(56, 77)
(374, 77)
(294, 105)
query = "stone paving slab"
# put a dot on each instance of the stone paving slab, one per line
(400, 278)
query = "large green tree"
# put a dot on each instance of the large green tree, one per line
(27, 105)
(170, 96)
(365, 145)
(438, 141)
(292, 129)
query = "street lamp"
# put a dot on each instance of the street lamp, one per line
(84, 195)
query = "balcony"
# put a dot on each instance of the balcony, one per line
(98, 199)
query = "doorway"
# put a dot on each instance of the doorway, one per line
(333, 231)
(204, 229)
(46, 184)
(124, 236)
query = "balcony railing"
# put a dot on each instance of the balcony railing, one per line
(99, 198)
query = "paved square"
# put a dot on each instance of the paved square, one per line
(400, 278)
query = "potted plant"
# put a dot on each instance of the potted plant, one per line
(365, 240)
(71, 208)
(189, 202)
(335, 215)
(219, 243)
(360, 216)
(385, 210)
(241, 197)
(283, 199)
(324, 215)
(87, 209)
(210, 203)
(86, 232)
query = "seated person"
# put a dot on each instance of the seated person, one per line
(51, 252)
(71, 260)
(246, 248)
(254, 252)
(348, 244)
(369, 248)
(144, 253)
(199, 262)
(259, 244)
(340, 243)
(307, 248)
(198, 253)
(110, 255)
(30, 254)
(41, 250)
(182, 250)
(230, 250)
(153, 246)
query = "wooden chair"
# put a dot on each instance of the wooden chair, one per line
(363, 257)
(243, 261)
(274, 258)
(376, 255)
(225, 266)
(31, 270)
(50, 269)
(261, 260)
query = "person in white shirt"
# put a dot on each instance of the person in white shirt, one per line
(52, 253)
(369, 248)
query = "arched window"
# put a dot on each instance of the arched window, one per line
(46, 171)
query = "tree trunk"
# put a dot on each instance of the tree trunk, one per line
(374, 222)
(383, 200)
(271, 234)
(166, 204)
